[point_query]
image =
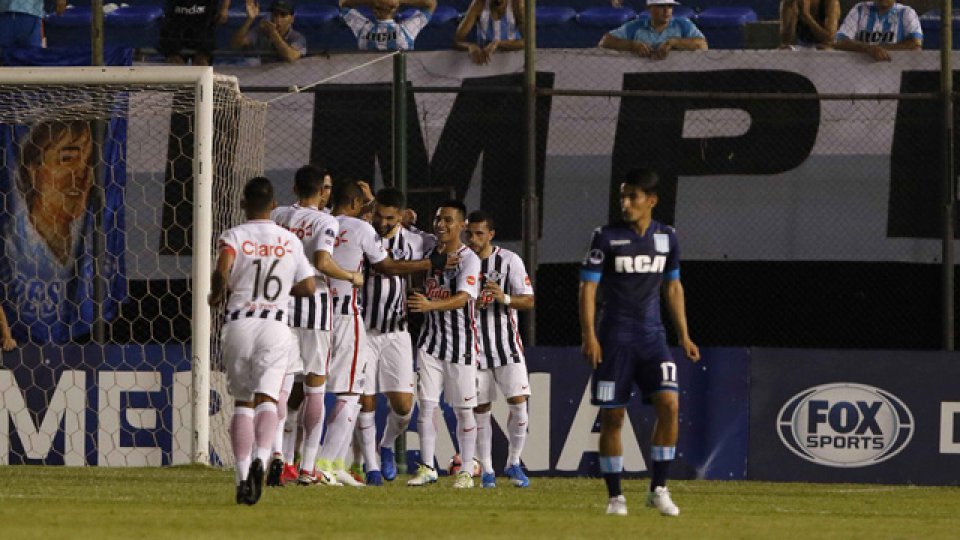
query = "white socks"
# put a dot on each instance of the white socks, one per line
(427, 428)
(516, 431)
(466, 437)
(484, 441)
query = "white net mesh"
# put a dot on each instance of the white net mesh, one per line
(96, 183)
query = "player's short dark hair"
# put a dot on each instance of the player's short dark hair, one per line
(456, 205)
(646, 180)
(258, 194)
(389, 196)
(308, 181)
(344, 192)
(479, 216)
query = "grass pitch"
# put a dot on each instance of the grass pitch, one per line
(193, 502)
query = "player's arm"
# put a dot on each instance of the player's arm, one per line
(435, 262)
(590, 345)
(908, 44)
(676, 305)
(329, 267)
(519, 302)
(221, 272)
(418, 303)
(610, 41)
(6, 338)
(288, 52)
(305, 287)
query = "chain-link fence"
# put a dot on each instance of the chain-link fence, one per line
(805, 185)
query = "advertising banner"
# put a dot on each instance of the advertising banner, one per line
(855, 416)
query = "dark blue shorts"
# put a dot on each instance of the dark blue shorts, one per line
(646, 363)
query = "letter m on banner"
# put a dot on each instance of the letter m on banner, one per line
(43, 436)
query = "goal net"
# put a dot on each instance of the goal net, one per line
(114, 184)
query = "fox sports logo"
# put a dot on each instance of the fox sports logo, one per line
(845, 425)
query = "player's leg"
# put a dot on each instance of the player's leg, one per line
(460, 385)
(429, 387)
(237, 349)
(343, 374)
(292, 431)
(611, 385)
(396, 381)
(486, 393)
(275, 471)
(367, 436)
(315, 352)
(513, 381)
(657, 378)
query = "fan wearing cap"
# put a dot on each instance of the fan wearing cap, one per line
(654, 36)
(385, 33)
(274, 36)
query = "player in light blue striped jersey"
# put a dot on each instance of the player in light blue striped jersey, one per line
(498, 24)
(384, 32)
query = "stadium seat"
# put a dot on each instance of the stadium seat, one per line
(930, 23)
(439, 34)
(554, 26)
(723, 26)
(129, 26)
(594, 22)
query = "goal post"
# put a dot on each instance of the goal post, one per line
(125, 414)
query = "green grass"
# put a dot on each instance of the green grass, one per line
(193, 502)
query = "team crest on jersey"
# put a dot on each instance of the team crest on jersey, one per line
(330, 233)
(398, 253)
(471, 280)
(450, 274)
(661, 242)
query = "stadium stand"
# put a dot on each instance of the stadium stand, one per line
(727, 24)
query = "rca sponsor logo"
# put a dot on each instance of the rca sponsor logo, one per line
(845, 425)
(639, 264)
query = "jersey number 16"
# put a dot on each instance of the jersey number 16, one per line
(269, 281)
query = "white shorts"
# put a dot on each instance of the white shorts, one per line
(389, 364)
(255, 352)
(457, 382)
(312, 354)
(349, 355)
(511, 379)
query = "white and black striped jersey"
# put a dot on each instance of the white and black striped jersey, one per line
(499, 339)
(385, 297)
(269, 262)
(452, 335)
(318, 232)
(356, 242)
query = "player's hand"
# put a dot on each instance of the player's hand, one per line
(213, 300)
(492, 288)
(357, 279)
(223, 14)
(691, 350)
(642, 49)
(59, 9)
(661, 52)
(591, 351)
(490, 49)
(8, 344)
(367, 192)
(253, 9)
(878, 53)
(418, 303)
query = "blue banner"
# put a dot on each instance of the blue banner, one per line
(855, 416)
(50, 171)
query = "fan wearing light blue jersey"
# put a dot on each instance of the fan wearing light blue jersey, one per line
(631, 261)
(384, 32)
(877, 27)
(498, 24)
(656, 35)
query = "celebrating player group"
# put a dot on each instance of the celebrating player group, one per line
(318, 300)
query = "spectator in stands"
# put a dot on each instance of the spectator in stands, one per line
(188, 30)
(21, 22)
(7, 343)
(386, 33)
(498, 25)
(808, 23)
(655, 36)
(274, 36)
(877, 27)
